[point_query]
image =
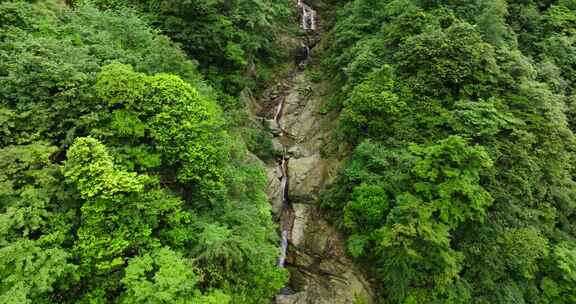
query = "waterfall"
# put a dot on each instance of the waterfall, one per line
(306, 50)
(283, 249)
(284, 225)
(308, 21)
(278, 115)
(284, 181)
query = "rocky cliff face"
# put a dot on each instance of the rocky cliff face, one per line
(321, 272)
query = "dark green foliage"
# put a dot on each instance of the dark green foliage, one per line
(258, 141)
(226, 37)
(404, 205)
(450, 61)
(460, 188)
(373, 106)
(122, 181)
(46, 73)
(30, 271)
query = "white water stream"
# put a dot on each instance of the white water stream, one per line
(285, 225)
(278, 116)
(307, 23)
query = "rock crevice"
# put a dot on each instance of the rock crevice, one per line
(313, 251)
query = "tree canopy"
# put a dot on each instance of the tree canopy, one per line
(120, 181)
(460, 187)
(125, 173)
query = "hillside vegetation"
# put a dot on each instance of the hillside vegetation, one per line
(121, 178)
(461, 186)
(128, 170)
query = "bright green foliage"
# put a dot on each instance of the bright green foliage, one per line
(164, 277)
(117, 214)
(184, 126)
(91, 169)
(461, 186)
(29, 271)
(119, 182)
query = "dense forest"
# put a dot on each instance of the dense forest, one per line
(460, 187)
(122, 178)
(127, 170)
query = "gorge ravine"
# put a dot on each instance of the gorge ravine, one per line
(312, 250)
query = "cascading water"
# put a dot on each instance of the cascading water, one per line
(311, 249)
(285, 223)
(283, 249)
(306, 49)
(307, 23)
(278, 116)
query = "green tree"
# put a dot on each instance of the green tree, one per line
(118, 215)
(164, 277)
(373, 109)
(225, 37)
(454, 62)
(102, 164)
(405, 207)
(31, 270)
(186, 129)
(473, 223)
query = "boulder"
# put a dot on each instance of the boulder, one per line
(306, 176)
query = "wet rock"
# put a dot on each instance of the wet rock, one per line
(301, 216)
(273, 189)
(298, 151)
(273, 127)
(322, 270)
(277, 144)
(306, 177)
(252, 106)
(296, 298)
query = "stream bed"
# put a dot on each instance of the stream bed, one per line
(310, 248)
